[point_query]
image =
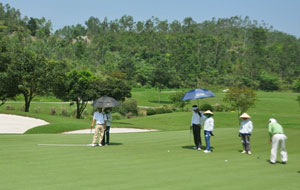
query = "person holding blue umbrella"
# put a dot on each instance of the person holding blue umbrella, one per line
(197, 93)
(197, 119)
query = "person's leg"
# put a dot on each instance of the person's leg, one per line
(200, 142)
(207, 139)
(101, 129)
(243, 139)
(275, 141)
(198, 137)
(243, 142)
(283, 152)
(194, 127)
(96, 134)
(103, 140)
(247, 143)
(107, 134)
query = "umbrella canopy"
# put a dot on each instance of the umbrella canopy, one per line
(197, 94)
(105, 102)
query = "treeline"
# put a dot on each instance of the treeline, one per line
(157, 53)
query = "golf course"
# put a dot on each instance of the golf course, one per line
(43, 158)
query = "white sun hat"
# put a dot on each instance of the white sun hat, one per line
(245, 115)
(208, 112)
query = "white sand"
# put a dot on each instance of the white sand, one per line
(14, 124)
(18, 124)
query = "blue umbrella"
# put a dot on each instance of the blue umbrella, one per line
(197, 94)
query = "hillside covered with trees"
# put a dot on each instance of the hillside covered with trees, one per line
(158, 53)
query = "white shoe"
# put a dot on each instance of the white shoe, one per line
(206, 151)
(199, 149)
(100, 144)
(243, 152)
(249, 152)
(93, 145)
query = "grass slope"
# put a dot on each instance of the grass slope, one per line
(156, 160)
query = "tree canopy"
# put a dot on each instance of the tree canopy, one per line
(235, 51)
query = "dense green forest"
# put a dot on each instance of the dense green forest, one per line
(157, 53)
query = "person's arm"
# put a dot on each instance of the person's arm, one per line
(212, 123)
(250, 127)
(270, 132)
(92, 125)
(105, 120)
(192, 121)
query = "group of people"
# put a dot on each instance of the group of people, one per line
(277, 136)
(103, 118)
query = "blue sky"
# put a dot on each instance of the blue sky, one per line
(283, 15)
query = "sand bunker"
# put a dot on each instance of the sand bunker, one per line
(14, 124)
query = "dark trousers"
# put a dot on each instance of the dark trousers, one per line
(246, 141)
(106, 136)
(197, 136)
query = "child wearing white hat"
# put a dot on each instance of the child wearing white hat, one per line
(208, 129)
(246, 128)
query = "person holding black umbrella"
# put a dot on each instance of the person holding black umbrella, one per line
(196, 126)
(100, 119)
(105, 140)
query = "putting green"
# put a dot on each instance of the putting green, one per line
(155, 160)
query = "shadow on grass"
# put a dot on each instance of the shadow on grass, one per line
(192, 147)
(277, 162)
(115, 144)
(298, 172)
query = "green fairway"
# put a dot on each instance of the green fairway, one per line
(156, 160)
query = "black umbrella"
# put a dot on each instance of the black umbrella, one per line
(105, 102)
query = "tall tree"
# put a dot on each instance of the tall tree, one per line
(114, 86)
(28, 71)
(241, 99)
(79, 87)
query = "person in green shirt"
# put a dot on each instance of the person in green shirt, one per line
(277, 138)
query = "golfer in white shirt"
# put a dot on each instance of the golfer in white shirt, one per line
(100, 119)
(208, 129)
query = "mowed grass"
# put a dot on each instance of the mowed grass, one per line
(154, 160)
(280, 105)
